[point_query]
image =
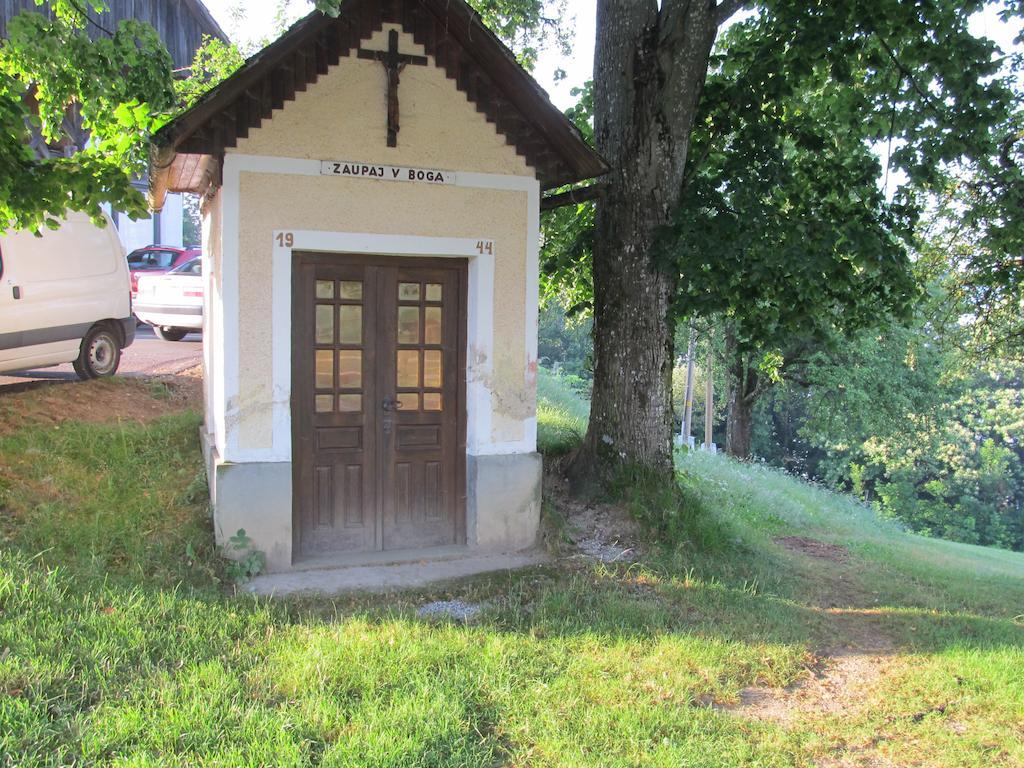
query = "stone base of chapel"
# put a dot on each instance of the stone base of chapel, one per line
(503, 504)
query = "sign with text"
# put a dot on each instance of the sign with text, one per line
(386, 172)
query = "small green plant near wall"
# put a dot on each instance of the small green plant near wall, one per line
(244, 562)
(197, 492)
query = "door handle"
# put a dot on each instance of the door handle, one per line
(16, 290)
(389, 404)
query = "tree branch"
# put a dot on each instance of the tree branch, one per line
(85, 15)
(577, 195)
(928, 98)
(695, 165)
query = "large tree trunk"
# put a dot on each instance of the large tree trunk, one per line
(649, 68)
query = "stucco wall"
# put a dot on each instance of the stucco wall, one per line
(343, 116)
(272, 202)
(272, 183)
(213, 326)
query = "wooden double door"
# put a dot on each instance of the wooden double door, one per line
(378, 403)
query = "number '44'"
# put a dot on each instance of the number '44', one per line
(485, 246)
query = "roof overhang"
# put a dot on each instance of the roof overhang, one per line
(187, 151)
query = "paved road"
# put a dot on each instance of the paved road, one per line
(147, 356)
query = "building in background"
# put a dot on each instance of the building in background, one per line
(181, 24)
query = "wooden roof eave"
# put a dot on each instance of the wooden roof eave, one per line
(252, 73)
(501, 65)
(567, 156)
(172, 171)
(168, 166)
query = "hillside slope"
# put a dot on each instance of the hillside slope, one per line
(799, 632)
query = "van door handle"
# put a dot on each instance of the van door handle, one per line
(17, 291)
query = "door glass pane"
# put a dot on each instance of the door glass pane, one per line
(351, 289)
(350, 321)
(324, 324)
(432, 368)
(432, 325)
(431, 401)
(324, 403)
(408, 291)
(324, 369)
(408, 401)
(350, 403)
(325, 289)
(408, 325)
(433, 291)
(408, 368)
(350, 368)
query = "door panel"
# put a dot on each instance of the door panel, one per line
(334, 426)
(378, 414)
(419, 445)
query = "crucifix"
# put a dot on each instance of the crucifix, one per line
(394, 62)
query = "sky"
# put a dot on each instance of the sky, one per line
(258, 23)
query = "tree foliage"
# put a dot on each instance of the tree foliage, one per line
(783, 227)
(563, 344)
(973, 246)
(52, 76)
(116, 86)
(214, 61)
(912, 426)
(568, 233)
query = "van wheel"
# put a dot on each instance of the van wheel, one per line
(100, 354)
(169, 332)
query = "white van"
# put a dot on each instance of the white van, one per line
(65, 297)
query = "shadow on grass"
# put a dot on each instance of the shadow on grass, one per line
(100, 659)
(92, 671)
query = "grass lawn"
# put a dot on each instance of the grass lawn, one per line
(120, 643)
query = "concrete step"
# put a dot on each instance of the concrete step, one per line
(336, 580)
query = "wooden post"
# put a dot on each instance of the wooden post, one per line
(709, 398)
(688, 399)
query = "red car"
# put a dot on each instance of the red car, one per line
(155, 260)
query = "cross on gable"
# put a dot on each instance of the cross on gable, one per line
(394, 62)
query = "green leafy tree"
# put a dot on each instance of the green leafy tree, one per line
(214, 61)
(118, 88)
(920, 431)
(973, 245)
(772, 149)
(53, 77)
(911, 421)
(563, 343)
(783, 229)
(567, 233)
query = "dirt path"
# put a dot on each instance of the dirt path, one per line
(859, 653)
(848, 669)
(839, 683)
